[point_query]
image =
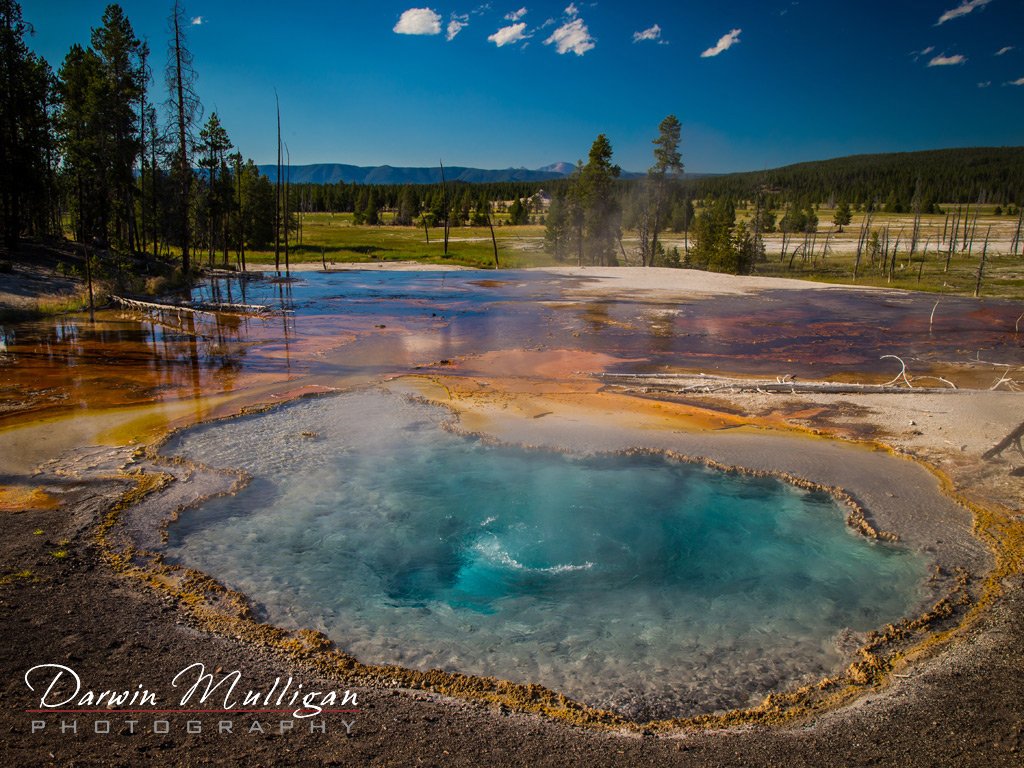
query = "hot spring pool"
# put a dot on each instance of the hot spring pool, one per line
(631, 582)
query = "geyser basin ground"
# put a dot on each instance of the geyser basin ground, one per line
(635, 583)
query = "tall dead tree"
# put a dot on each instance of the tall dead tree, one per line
(967, 228)
(444, 206)
(895, 248)
(981, 263)
(924, 257)
(494, 240)
(143, 139)
(862, 238)
(916, 206)
(237, 157)
(952, 238)
(969, 245)
(277, 191)
(1017, 232)
(287, 192)
(183, 108)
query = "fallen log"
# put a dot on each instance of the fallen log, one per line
(220, 306)
(198, 308)
(683, 383)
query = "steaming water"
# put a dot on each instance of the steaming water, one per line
(631, 582)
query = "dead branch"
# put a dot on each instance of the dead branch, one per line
(1012, 439)
(901, 375)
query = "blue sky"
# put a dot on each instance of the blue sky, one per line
(755, 84)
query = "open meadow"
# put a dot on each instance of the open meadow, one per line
(827, 255)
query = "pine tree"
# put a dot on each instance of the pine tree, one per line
(601, 210)
(842, 215)
(668, 164)
(715, 247)
(26, 142)
(213, 139)
(81, 142)
(118, 93)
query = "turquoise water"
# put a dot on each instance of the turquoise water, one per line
(632, 582)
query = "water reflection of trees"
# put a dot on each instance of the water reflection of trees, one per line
(128, 356)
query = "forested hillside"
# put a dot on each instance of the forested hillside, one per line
(992, 175)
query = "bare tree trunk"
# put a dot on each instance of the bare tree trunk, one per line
(186, 171)
(152, 151)
(494, 240)
(792, 258)
(644, 232)
(142, 153)
(579, 243)
(974, 233)
(952, 238)
(225, 214)
(88, 277)
(444, 205)
(981, 264)
(924, 257)
(241, 217)
(865, 227)
(657, 222)
(967, 228)
(1016, 235)
(212, 180)
(895, 249)
(277, 192)
(916, 232)
(287, 192)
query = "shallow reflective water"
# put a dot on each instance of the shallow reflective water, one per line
(401, 320)
(637, 583)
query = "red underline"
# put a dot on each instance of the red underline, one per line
(182, 711)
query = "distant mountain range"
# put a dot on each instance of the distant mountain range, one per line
(332, 173)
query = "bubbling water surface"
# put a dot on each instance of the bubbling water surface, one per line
(632, 582)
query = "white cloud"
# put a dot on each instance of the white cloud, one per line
(924, 52)
(516, 15)
(1004, 49)
(572, 36)
(572, 11)
(198, 21)
(510, 34)
(986, 84)
(456, 24)
(724, 43)
(418, 21)
(942, 60)
(1018, 81)
(651, 33)
(963, 9)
